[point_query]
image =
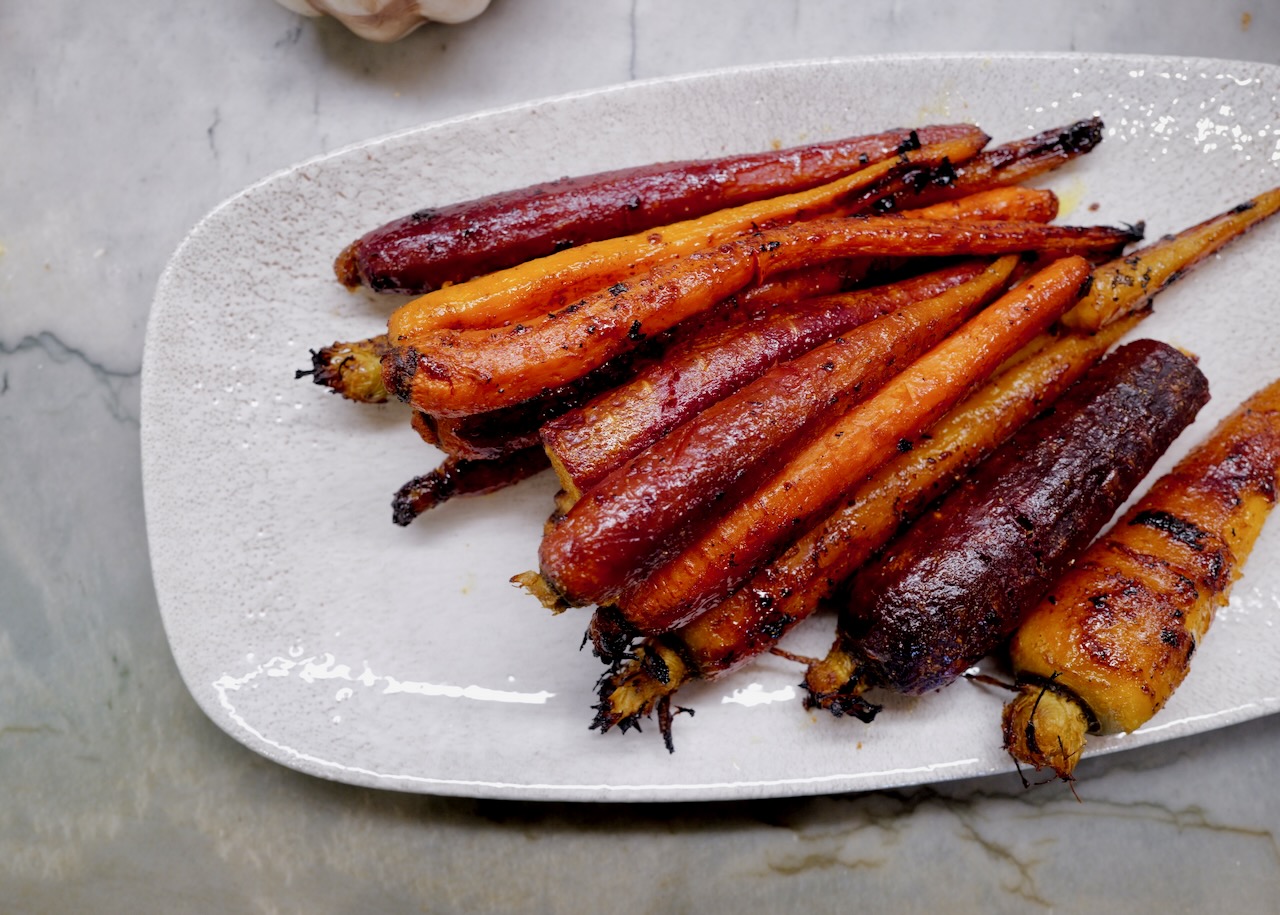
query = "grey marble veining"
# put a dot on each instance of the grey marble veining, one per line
(122, 127)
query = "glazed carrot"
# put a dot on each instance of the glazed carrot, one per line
(1129, 284)
(642, 512)
(824, 279)
(1005, 166)
(790, 588)
(441, 245)
(1107, 648)
(857, 443)
(460, 372)
(353, 369)
(588, 443)
(791, 247)
(495, 433)
(525, 291)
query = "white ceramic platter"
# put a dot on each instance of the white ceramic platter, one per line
(327, 639)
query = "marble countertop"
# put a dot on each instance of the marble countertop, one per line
(122, 130)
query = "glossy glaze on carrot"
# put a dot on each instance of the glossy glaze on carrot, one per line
(1113, 639)
(790, 589)
(641, 513)
(852, 445)
(459, 477)
(957, 583)
(588, 443)
(528, 290)
(436, 246)
(1007, 164)
(460, 372)
(1131, 282)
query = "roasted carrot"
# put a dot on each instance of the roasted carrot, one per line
(789, 589)
(1027, 204)
(460, 372)
(1106, 648)
(642, 512)
(791, 247)
(587, 444)
(354, 370)
(457, 477)
(531, 289)
(1128, 284)
(437, 246)
(483, 437)
(924, 185)
(824, 279)
(855, 444)
(956, 584)
(1007, 164)
(495, 433)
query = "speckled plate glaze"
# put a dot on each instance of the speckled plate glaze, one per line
(325, 638)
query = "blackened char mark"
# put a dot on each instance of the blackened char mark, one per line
(1179, 529)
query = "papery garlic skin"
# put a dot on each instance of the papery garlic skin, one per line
(388, 20)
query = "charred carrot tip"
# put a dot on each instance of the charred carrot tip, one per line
(644, 685)
(1080, 137)
(419, 495)
(461, 477)
(848, 700)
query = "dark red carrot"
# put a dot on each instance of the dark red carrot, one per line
(791, 588)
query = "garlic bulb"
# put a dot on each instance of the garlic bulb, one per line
(388, 20)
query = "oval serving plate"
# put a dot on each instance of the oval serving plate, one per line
(327, 639)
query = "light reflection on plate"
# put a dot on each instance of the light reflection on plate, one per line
(267, 500)
(756, 694)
